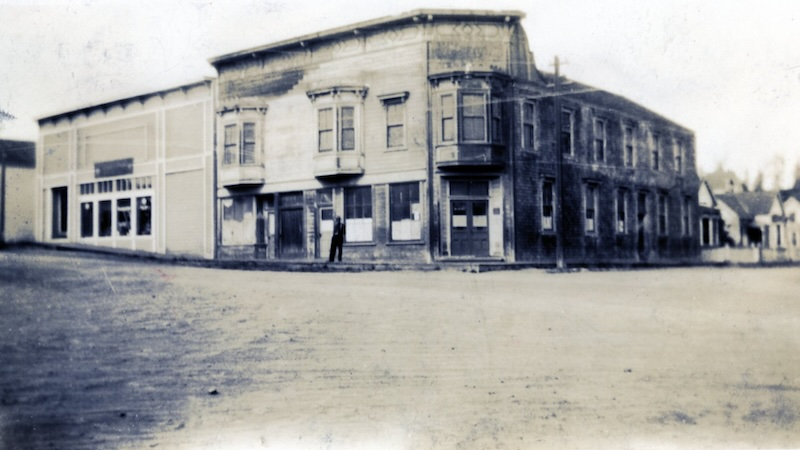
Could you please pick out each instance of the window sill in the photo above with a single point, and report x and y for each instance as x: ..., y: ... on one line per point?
x: 397, y: 243
x: 359, y: 244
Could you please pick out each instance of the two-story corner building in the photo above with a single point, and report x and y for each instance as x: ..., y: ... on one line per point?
x: 133, y: 174
x: 434, y: 136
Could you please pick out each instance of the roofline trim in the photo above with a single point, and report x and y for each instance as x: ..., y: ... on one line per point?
x: 141, y: 97
x: 356, y: 28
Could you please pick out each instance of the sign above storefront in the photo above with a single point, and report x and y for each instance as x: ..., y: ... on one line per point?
x: 113, y: 168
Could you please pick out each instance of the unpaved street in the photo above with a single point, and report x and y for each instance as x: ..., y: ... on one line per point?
x: 112, y: 353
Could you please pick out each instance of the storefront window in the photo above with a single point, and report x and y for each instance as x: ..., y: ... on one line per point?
x: 143, y: 216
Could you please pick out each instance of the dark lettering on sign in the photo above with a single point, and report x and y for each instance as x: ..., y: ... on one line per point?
x: 113, y: 168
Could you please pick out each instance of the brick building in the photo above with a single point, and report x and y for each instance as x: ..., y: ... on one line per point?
x: 432, y: 134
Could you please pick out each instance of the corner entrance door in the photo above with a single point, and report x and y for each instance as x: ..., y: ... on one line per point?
x: 469, y: 234
x: 325, y: 219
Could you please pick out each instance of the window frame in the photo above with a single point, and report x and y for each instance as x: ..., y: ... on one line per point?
x: 453, y: 116
x: 548, y: 202
x: 621, y: 207
x: 396, y: 101
x: 396, y: 189
x: 59, y: 196
x: 655, y: 153
x: 354, y: 203
x: 568, y: 130
x: 600, y: 139
x: 591, y: 194
x: 338, y: 127
x: 662, y: 207
x: 528, y: 128
x: 680, y: 160
x: 629, y: 145
x: 686, y: 216
x: 238, y: 147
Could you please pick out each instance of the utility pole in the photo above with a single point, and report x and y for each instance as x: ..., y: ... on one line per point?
x: 560, y: 262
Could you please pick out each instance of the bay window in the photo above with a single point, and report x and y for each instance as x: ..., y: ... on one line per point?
x: 470, y: 117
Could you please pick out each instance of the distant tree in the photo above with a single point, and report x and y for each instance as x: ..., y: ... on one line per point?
x: 796, y: 175
x: 758, y: 183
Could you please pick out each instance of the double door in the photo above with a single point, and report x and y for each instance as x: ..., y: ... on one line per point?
x: 469, y: 227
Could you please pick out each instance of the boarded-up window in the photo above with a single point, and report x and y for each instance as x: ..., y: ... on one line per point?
x: 238, y: 221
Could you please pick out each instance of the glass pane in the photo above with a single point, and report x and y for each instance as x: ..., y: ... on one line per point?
x: 394, y: 113
x: 231, y: 135
x: 143, y: 216
x: 347, y: 117
x: 473, y: 105
x: 448, y: 109
x: 123, y: 216
x: 326, y: 119
x: 459, y: 215
x: 348, y: 139
x: 479, y: 217
x: 459, y: 188
x: 105, y: 218
x: 474, y: 129
x: 248, y: 154
x: 394, y: 136
x: 249, y: 132
x: 87, y: 219
x: 448, y: 130
x: 325, y: 141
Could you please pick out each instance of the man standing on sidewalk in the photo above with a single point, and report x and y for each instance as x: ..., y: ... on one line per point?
x: 337, y: 239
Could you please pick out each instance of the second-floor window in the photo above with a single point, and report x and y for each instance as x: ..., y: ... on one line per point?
x: 629, y: 145
x: 679, y: 159
x: 599, y: 140
x: 470, y: 117
x: 473, y: 117
x: 656, y: 152
x: 567, y: 131
x: 394, y: 106
x: 528, y: 125
x: 240, y: 143
x: 336, y: 128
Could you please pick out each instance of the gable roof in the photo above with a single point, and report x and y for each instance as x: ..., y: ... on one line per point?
x: 790, y: 193
x: 748, y: 204
x: 724, y: 181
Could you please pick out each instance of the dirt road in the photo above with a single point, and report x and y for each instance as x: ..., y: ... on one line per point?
x: 122, y: 354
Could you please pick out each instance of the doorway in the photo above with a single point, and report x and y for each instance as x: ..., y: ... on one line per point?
x: 469, y: 227
x: 291, y: 230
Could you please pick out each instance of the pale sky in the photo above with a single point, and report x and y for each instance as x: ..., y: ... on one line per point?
x: 727, y: 69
